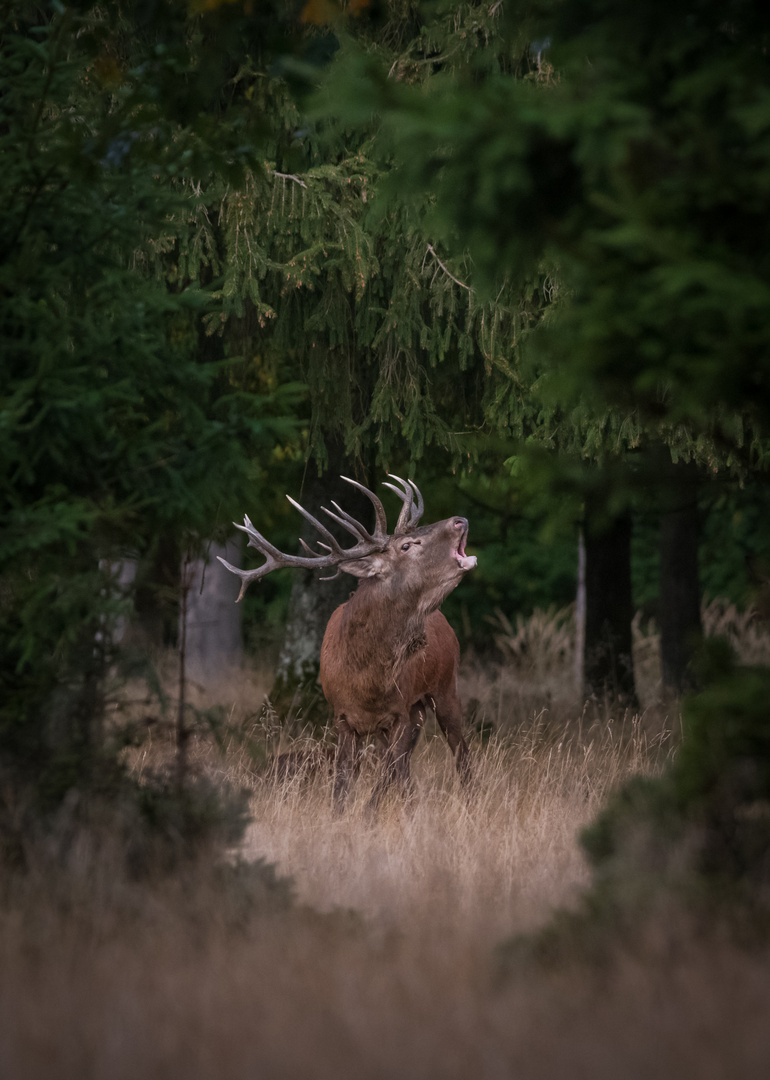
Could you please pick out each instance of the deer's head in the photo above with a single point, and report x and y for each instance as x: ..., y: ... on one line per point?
x: 422, y: 562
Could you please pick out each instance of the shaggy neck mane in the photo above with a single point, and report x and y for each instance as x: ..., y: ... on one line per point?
x: 384, y: 627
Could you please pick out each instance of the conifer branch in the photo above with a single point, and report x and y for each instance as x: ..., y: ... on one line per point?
x: 457, y: 281
x: 290, y: 176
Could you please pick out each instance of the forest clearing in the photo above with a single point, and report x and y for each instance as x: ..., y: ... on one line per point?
x: 387, y: 952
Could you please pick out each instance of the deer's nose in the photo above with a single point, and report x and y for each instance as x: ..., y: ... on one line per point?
x: 460, y: 523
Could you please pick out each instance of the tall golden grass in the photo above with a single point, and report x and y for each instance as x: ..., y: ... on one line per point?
x: 386, y: 964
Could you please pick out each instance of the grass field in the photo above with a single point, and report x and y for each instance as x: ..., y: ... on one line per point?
x: 387, y: 963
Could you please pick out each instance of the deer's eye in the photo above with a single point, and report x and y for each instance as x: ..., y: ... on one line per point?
x: 405, y: 547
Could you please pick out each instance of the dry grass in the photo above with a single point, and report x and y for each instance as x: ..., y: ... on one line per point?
x: 746, y: 631
x: 539, y: 662
x: 539, y: 670
x: 386, y: 966
x: 478, y: 867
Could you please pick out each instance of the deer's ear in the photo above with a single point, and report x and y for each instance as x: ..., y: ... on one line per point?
x: 368, y: 566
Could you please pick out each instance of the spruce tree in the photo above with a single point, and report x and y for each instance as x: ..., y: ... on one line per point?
x: 115, y: 428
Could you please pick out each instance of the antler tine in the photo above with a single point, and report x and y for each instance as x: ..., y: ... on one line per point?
x: 306, y: 547
x: 270, y: 551
x: 274, y: 558
x: 335, y: 554
x: 332, y: 544
x: 246, y: 576
x: 381, y: 520
x: 355, y: 528
x: 410, y: 514
x: 420, y: 508
x: 256, y: 539
x: 406, y: 496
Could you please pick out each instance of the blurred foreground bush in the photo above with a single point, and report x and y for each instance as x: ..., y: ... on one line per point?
x: 695, y: 839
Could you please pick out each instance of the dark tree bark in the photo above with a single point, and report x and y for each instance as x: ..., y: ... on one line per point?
x: 609, y: 667
x: 580, y: 615
x: 156, y: 603
x: 679, y: 605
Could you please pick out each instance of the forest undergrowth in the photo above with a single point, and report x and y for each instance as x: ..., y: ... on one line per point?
x: 375, y: 949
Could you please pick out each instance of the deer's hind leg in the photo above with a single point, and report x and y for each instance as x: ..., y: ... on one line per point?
x: 345, y: 762
x: 449, y: 717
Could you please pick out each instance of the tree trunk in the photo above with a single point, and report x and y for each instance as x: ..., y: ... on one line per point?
x: 121, y: 574
x: 156, y: 602
x: 313, y: 600
x: 213, y: 641
x: 609, y: 668
x: 580, y: 616
x: 679, y: 605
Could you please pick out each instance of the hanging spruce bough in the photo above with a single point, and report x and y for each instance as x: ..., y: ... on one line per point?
x: 392, y: 343
x: 315, y: 261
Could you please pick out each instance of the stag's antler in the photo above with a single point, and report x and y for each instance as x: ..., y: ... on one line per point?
x: 410, y: 513
x: 367, y: 543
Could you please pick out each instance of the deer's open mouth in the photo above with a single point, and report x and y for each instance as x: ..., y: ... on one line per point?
x: 467, y: 562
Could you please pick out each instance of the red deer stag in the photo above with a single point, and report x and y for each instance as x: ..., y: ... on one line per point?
x: 388, y: 652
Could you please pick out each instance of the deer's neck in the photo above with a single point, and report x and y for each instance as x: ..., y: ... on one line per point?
x: 383, y: 630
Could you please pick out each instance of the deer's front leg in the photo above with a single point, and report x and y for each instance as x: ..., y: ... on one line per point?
x: 400, y: 742
x: 449, y: 716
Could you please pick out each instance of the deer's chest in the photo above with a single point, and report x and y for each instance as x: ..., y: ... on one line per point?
x: 372, y: 674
